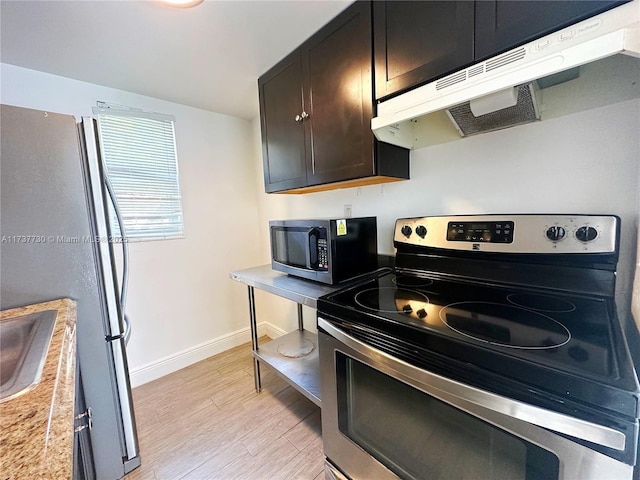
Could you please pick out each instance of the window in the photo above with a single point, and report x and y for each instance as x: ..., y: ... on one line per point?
x: 139, y: 153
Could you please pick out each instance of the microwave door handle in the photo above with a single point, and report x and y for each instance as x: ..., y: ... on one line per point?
x: 312, y: 248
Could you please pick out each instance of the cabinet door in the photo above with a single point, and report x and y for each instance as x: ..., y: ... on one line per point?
x: 339, y: 98
x: 283, y: 144
x: 505, y: 24
x: 419, y: 41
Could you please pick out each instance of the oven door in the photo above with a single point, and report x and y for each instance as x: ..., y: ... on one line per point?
x: 383, y: 418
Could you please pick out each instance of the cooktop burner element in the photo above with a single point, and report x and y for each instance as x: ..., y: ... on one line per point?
x: 410, y: 281
x: 541, y: 303
x: 392, y: 300
x: 505, y: 325
x: 479, y: 315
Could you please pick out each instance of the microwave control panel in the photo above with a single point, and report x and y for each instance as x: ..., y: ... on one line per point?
x: 323, y: 256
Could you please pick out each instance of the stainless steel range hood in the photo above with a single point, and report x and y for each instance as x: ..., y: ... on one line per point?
x: 485, y: 87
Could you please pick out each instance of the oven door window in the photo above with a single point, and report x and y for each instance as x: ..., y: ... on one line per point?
x: 417, y: 436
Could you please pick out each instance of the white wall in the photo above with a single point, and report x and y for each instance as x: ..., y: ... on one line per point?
x: 587, y: 162
x: 181, y: 301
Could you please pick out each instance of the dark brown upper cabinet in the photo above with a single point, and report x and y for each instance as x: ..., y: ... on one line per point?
x: 505, y: 24
x: 283, y: 142
x: 416, y: 42
x: 316, y: 107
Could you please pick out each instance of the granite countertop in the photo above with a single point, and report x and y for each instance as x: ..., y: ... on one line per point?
x: 36, y: 428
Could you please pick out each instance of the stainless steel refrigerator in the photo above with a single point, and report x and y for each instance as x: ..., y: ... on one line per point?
x: 55, y: 243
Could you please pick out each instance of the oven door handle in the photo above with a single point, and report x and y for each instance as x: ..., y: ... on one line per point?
x: 441, y: 387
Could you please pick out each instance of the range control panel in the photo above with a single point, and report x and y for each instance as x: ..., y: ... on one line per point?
x: 512, y: 233
x: 494, y: 232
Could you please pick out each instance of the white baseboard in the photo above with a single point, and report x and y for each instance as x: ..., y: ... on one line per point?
x: 172, y: 363
x: 271, y: 330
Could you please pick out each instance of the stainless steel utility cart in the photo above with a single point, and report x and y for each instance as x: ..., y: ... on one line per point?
x: 294, y: 356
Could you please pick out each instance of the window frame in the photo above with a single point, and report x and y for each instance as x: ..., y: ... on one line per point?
x: 146, y: 199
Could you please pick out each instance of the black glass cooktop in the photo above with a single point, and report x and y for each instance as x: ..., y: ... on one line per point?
x: 565, y: 333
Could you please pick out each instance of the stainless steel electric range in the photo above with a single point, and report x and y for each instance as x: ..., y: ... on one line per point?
x: 491, y: 351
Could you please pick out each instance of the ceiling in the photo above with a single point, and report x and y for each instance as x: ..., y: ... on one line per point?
x: 208, y: 57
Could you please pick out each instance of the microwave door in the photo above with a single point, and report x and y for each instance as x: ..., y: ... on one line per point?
x: 295, y: 247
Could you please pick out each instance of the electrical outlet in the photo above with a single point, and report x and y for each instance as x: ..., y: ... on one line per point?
x: 347, y: 211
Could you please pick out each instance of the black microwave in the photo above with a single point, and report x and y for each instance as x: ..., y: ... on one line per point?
x: 327, y: 251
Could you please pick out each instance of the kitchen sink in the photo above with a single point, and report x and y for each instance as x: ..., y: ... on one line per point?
x: 24, y: 343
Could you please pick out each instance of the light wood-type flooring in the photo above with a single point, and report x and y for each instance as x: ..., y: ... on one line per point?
x: 207, y: 422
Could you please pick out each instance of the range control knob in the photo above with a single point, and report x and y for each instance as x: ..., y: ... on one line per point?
x: 421, y: 230
x: 586, y: 233
x: 406, y: 231
x: 555, y: 233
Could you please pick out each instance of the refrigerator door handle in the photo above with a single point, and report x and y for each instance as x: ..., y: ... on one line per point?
x: 125, y: 260
x: 125, y: 335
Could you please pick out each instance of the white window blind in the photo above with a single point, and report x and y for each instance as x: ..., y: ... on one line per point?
x: 139, y: 152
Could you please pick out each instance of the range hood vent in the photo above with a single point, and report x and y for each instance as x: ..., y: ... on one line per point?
x: 524, y: 111
x: 610, y: 33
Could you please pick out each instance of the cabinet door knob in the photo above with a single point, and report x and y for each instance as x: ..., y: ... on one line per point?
x: 301, y: 117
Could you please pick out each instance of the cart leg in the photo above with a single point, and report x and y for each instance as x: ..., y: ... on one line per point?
x: 300, y: 320
x: 254, y: 339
